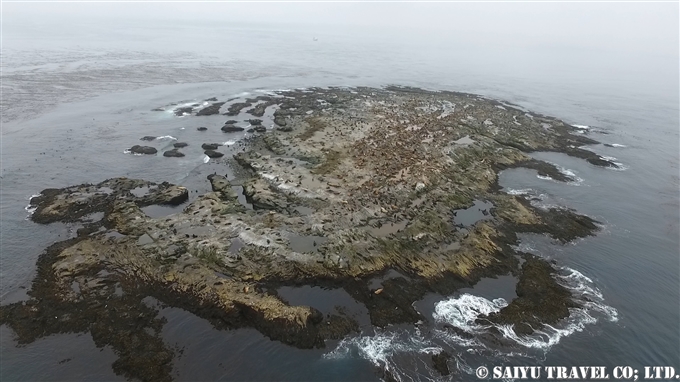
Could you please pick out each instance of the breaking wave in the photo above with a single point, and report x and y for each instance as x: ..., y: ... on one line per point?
x: 456, y: 330
x: 512, y: 191
x: 537, y: 199
x: 164, y: 137
x: 30, y: 209
x: 621, y: 166
x: 463, y: 311
x: 565, y: 171
x: 127, y: 151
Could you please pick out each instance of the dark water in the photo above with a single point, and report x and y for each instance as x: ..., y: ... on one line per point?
x: 75, y: 98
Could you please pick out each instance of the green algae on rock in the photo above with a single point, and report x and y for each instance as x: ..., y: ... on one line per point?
x: 378, y: 174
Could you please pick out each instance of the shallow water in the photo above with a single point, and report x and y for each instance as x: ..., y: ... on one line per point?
x: 466, y: 217
x: 91, y: 101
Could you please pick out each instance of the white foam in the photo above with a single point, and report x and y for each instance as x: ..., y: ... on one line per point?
x: 164, y: 137
x: 524, y: 191
x: 228, y: 143
x: 381, y: 348
x: 576, y: 181
x: 621, y: 167
x: 617, y: 145
x: 29, y: 208
x: 582, y: 127
x: 206, y: 159
x: 462, y: 311
x: 130, y: 152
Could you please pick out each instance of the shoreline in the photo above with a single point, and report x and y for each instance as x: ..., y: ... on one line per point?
x: 342, y: 207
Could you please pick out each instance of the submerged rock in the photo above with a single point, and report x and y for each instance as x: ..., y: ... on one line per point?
x: 179, y: 145
x: 439, y: 361
x: 183, y: 111
x: 202, y: 128
x: 210, y: 146
x: 147, y: 138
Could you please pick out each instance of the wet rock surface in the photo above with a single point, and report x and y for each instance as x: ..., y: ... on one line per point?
x: 213, y: 154
x: 72, y: 203
x: 232, y: 128
x: 175, y: 153
x: 540, y: 300
x: 344, y: 192
x: 148, y: 150
x: 211, y: 110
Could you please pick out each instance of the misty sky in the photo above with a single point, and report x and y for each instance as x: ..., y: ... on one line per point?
x: 650, y: 28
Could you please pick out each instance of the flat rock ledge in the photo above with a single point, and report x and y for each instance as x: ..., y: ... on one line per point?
x: 372, y: 176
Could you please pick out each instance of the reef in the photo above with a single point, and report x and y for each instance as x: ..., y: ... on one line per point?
x: 350, y: 184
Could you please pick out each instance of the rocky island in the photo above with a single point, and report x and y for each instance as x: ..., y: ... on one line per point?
x: 347, y: 185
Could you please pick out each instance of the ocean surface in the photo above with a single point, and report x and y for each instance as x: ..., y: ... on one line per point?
x: 74, y: 99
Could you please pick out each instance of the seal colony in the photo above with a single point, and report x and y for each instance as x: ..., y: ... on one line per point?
x: 349, y: 184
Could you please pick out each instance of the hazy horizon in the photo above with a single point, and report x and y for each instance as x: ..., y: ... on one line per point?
x: 649, y: 28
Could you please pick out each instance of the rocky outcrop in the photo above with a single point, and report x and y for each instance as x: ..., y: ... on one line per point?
x: 72, y: 203
x: 353, y: 183
x: 182, y: 111
x: 231, y: 128
x: 174, y: 153
x: 235, y: 109
x: 540, y: 300
x: 179, y: 145
x: 213, y: 154
x: 211, y: 110
x: 148, y: 150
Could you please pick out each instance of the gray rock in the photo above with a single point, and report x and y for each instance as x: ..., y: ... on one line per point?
x: 173, y: 153
x: 213, y: 154
x: 231, y: 128
x: 137, y: 149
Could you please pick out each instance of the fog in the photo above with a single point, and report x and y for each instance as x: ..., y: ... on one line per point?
x: 626, y: 27
x: 606, y: 48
